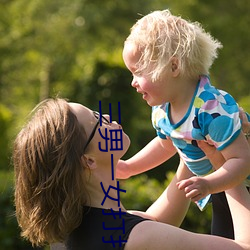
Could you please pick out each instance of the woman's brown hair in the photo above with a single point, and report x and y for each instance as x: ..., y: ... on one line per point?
x: 49, y: 180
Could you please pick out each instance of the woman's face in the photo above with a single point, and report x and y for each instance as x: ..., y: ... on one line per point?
x: 89, y: 120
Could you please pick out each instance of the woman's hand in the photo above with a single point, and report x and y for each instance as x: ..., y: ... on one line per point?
x: 245, y: 124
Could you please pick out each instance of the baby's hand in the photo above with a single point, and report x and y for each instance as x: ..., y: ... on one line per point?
x: 195, y: 187
x: 122, y: 170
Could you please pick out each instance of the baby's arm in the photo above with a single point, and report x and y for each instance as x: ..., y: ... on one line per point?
x: 153, y: 154
x: 234, y: 171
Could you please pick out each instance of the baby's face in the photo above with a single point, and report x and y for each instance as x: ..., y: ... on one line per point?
x: 154, y: 93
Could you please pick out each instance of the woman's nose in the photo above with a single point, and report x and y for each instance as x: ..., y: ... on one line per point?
x: 107, y: 117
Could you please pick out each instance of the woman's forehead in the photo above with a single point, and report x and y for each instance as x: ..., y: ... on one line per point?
x: 84, y: 115
x: 78, y: 108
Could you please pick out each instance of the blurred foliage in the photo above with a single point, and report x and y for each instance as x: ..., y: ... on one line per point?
x: 72, y: 48
x: 5, y: 124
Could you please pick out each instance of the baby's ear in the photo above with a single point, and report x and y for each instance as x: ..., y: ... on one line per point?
x: 89, y: 161
x: 175, y: 66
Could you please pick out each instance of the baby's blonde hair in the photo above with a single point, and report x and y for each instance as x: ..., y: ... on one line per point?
x: 161, y: 36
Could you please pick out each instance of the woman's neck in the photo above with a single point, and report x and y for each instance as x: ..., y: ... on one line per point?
x: 101, y: 187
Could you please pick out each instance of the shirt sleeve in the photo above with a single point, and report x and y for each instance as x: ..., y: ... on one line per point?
x: 219, y: 120
x: 159, y: 121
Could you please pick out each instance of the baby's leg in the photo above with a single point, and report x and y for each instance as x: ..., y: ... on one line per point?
x: 171, y: 207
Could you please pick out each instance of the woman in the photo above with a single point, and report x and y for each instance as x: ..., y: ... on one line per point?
x: 62, y: 181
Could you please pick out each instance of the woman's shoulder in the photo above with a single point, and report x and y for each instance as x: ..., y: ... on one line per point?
x: 103, y: 229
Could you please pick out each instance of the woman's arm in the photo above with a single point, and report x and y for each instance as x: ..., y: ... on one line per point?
x: 236, y: 167
x: 239, y: 203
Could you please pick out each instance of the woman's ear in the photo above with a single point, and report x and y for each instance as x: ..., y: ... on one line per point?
x: 89, y: 161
